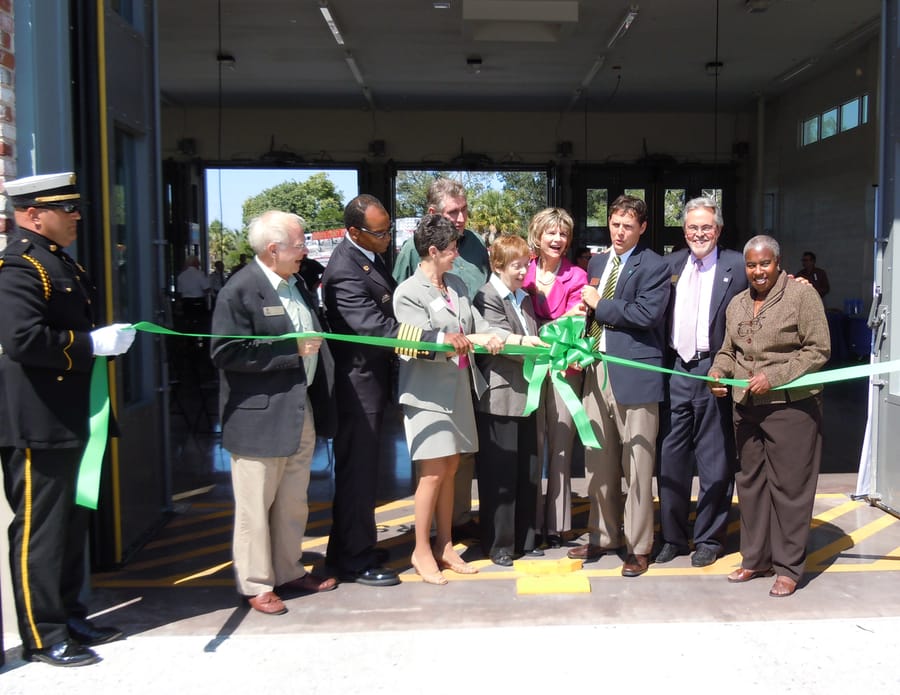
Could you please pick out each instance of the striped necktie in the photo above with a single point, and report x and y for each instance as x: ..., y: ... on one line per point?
x: 609, y: 291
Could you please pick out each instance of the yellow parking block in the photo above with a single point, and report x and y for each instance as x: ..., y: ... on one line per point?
x: 553, y: 584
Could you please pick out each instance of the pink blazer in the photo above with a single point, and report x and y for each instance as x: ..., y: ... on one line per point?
x: 564, y: 295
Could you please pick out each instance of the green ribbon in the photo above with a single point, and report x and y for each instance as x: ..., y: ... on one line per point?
x: 87, y: 489
x: 567, y: 346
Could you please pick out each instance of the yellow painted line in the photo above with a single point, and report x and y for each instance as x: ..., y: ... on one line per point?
x: 191, y: 520
x: 178, y: 557
x: 847, y: 541
x: 187, y: 537
x: 833, y: 513
x: 204, y: 573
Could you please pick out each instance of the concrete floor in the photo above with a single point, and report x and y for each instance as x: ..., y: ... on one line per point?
x: 675, y: 627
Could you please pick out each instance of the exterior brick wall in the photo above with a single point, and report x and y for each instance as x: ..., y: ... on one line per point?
x: 7, y: 108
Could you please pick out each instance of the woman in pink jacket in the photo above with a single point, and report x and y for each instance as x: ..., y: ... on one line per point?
x: 555, y: 285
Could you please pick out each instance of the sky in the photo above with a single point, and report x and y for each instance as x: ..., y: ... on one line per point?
x: 239, y: 184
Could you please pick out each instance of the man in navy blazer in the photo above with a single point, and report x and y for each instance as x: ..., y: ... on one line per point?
x: 697, y: 425
x: 627, y: 294
x: 358, y: 290
x: 275, y: 396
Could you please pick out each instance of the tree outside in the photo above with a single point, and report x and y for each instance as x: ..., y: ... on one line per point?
x: 499, y: 201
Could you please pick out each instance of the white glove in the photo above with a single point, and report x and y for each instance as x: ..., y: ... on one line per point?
x: 112, y: 340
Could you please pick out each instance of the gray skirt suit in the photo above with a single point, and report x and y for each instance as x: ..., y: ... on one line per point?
x: 436, y: 395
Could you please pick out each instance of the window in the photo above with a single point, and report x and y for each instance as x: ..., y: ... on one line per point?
x: 597, y: 207
x: 810, y: 131
x: 674, y: 207
x: 714, y: 193
x: 637, y: 193
x: 838, y: 119
x: 850, y: 115
x: 829, y: 123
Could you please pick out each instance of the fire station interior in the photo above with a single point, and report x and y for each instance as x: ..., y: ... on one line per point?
x: 775, y: 104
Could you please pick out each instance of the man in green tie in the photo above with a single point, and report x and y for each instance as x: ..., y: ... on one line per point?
x: 626, y: 297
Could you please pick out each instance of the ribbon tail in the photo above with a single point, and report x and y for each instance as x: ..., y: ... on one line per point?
x: 576, y: 408
x: 534, y: 374
x: 87, y: 490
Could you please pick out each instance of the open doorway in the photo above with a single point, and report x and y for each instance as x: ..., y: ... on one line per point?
x: 235, y: 195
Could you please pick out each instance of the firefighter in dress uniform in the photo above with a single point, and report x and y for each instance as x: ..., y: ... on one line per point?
x: 48, y: 340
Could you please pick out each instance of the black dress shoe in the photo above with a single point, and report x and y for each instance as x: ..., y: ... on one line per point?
x: 65, y: 653
x: 534, y: 552
x: 704, y: 556
x: 86, y: 633
x: 372, y: 576
x: 503, y: 559
x: 669, y: 552
x: 554, y: 541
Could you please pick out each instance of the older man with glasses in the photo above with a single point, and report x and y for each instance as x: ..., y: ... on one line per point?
x: 697, y: 426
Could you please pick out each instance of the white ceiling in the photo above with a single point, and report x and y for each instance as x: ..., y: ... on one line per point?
x: 412, y: 56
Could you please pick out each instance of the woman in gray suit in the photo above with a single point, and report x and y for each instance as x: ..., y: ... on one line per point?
x: 436, y: 394
x: 507, y: 463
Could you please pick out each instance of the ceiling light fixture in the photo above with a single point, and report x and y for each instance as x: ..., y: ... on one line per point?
x: 354, y: 68
x: 796, y: 70
x: 586, y: 82
x: 857, y: 34
x: 441, y: 5
x: 358, y: 76
x: 592, y: 73
x: 226, y: 60
x: 329, y: 20
x: 756, y: 6
x: 624, y: 25
x: 714, y: 68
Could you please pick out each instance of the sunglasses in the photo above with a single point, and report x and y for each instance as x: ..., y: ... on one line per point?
x: 65, y: 207
x: 378, y: 235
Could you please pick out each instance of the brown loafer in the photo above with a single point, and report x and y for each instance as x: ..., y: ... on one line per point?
x: 309, y: 583
x: 783, y: 586
x: 268, y: 603
x: 586, y: 552
x: 635, y: 565
x: 744, y: 575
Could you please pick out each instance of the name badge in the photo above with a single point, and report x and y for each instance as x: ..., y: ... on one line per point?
x: 273, y: 311
x: 437, y: 304
x: 386, y: 299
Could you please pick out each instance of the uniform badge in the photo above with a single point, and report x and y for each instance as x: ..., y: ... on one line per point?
x: 273, y: 311
x: 385, y: 299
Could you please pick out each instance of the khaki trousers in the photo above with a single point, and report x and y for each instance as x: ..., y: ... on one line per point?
x: 270, y: 513
x: 627, y: 434
x: 555, y: 437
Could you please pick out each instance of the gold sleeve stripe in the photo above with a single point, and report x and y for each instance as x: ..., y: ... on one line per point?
x: 45, y: 278
x: 66, y: 350
x: 23, y: 560
x: 412, y: 334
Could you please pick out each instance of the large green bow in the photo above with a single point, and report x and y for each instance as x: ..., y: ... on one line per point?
x: 568, y: 346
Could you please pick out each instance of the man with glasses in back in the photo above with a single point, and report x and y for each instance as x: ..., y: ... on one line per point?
x: 697, y: 426
x: 447, y: 197
x: 48, y: 341
x: 357, y: 291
